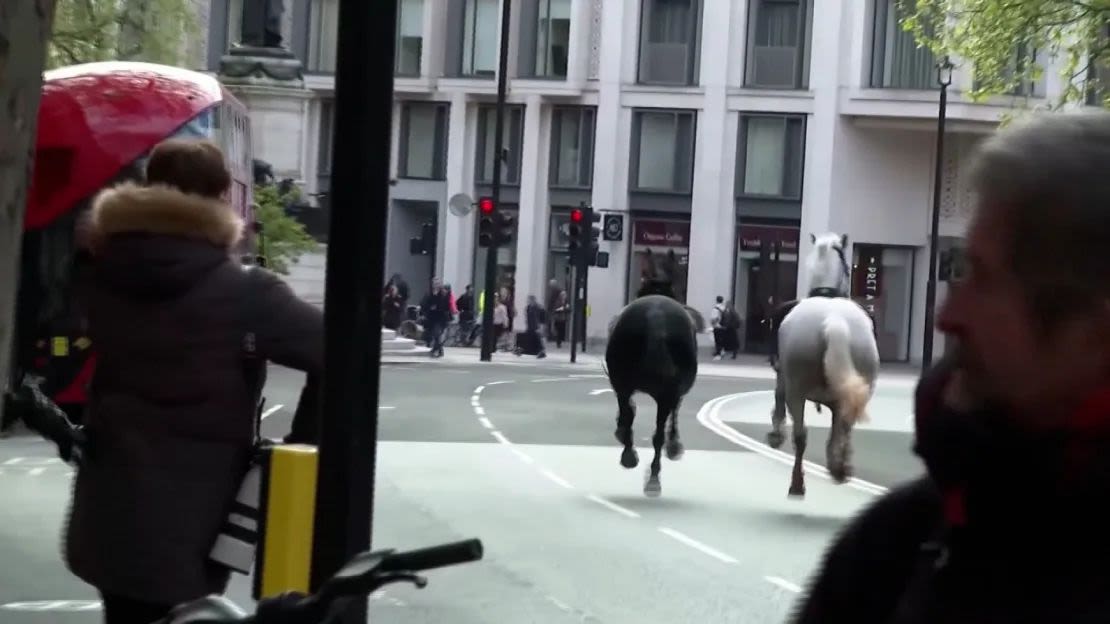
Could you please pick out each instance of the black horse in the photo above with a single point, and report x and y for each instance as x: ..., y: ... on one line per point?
x: 653, y: 349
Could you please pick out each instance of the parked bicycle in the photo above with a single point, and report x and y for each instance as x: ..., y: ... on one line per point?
x: 362, y: 575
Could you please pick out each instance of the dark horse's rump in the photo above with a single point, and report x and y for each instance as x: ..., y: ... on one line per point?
x: 652, y: 349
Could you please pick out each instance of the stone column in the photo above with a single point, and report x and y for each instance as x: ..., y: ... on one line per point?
x: 457, y: 254
x: 531, y: 242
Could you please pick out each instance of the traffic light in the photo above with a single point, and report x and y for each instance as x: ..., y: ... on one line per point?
x: 593, y: 235
x: 487, y: 234
x: 574, y: 232
x: 503, y: 234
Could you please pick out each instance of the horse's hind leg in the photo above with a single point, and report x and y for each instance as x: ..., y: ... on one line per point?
x: 674, y: 444
x: 626, y: 413
x: 838, y: 450
x: 796, y: 404
x: 652, y: 486
x: 776, y: 435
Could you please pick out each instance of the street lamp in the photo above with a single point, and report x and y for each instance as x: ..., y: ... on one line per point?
x: 944, y: 79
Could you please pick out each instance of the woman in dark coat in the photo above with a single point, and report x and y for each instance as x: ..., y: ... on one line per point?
x: 171, y: 417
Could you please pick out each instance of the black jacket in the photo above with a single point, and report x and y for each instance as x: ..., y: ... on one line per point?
x: 1009, y: 526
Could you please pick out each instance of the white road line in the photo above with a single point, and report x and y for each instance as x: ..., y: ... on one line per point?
x: 550, y: 379
x: 628, y: 513
x: 479, y: 410
x: 386, y: 407
x: 500, y: 437
x: 474, y: 401
x: 696, y: 545
x: 34, y: 472
x: 581, y: 376
x: 270, y: 412
x: 498, y: 383
x: 559, y: 603
x: 485, y: 422
x: 13, y: 461
x: 783, y: 583
x: 479, y: 390
x: 557, y: 479
x: 709, y: 416
x: 522, y: 456
x: 600, y: 391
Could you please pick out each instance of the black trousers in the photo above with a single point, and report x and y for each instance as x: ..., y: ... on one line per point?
x: 120, y: 610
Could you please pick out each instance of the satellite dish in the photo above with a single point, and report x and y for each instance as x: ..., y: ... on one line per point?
x: 460, y: 204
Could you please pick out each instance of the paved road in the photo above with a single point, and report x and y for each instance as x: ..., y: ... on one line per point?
x: 523, y: 457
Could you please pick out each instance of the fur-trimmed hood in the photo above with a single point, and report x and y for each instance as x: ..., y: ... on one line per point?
x: 132, y: 209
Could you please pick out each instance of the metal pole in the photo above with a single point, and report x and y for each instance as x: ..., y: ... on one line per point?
x: 352, y: 296
x: 931, y: 284
x: 585, y: 299
x: 573, y: 329
x: 489, y: 342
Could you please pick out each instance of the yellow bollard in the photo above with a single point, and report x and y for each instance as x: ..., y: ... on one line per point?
x: 288, y: 503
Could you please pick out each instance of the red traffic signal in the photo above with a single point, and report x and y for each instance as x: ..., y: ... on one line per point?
x: 485, y: 205
x: 576, y: 216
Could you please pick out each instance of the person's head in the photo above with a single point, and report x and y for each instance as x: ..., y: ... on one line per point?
x: 532, y: 300
x: 720, y: 299
x: 192, y: 166
x: 1032, y: 317
x: 392, y: 290
x: 469, y: 289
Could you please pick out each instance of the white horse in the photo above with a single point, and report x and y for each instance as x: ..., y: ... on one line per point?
x: 828, y: 355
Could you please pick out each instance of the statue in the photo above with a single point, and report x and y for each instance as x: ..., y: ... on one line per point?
x: 262, y: 23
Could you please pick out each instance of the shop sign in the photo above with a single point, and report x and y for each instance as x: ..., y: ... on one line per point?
x: 868, y: 278
x: 662, y: 233
x: 753, y: 237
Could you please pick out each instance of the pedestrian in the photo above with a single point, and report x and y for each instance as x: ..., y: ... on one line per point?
x: 501, y: 323
x: 1013, y: 425
x: 392, y: 308
x: 436, y: 310
x: 535, y: 318
x: 172, y: 409
x: 465, y: 305
x: 715, y: 317
x: 730, y: 330
x: 561, y: 313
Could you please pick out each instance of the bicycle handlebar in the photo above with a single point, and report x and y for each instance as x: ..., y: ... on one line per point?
x: 362, y: 575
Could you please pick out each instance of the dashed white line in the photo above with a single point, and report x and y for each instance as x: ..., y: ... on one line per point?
x: 696, y: 545
x: 783, y: 583
x: 474, y: 401
x: 485, y: 422
x: 628, y: 513
x: 34, y: 472
x: 500, y: 437
x: 479, y: 410
x: 521, y: 455
x: 270, y: 412
x: 479, y: 390
x: 557, y: 479
x: 13, y: 461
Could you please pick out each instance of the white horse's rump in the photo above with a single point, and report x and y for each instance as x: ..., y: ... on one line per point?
x: 850, y: 388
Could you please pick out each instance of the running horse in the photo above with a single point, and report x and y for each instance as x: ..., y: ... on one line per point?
x: 653, y: 349
x: 826, y: 354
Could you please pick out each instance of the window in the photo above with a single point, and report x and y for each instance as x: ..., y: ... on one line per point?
x: 778, y: 36
x: 572, y: 147
x: 481, y: 19
x: 423, y: 140
x: 771, y: 156
x: 512, y: 139
x: 552, y: 38
x: 1019, y: 62
x: 897, y: 61
x: 327, y: 135
x: 663, y: 151
x: 669, y: 42
x: 1098, y: 70
x: 324, y: 20
x: 410, y: 37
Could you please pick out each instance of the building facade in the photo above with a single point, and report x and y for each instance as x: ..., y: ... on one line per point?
x: 718, y: 133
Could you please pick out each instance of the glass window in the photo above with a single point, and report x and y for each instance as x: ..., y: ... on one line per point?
x: 423, y: 140
x: 327, y: 124
x: 572, y: 146
x: 669, y: 41
x: 898, y: 62
x: 778, y: 42
x: 552, y: 38
x: 771, y: 157
x: 323, y: 36
x: 664, y: 151
x: 410, y: 37
x: 512, y: 138
x: 481, y: 31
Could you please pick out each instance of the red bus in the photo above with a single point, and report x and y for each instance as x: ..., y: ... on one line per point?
x: 97, y: 124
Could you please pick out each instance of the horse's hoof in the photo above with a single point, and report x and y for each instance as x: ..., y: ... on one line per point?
x: 675, y: 450
x: 797, y: 491
x: 842, y: 474
x: 652, y: 487
x: 630, y: 458
x: 775, y: 439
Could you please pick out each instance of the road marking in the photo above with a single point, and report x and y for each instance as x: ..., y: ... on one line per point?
x: 13, y: 461
x: 34, y: 472
x: 696, y: 545
x: 498, y: 383
x: 53, y: 605
x: 612, y: 506
x: 557, y: 479
x: 550, y: 379
x: 500, y: 437
x: 485, y: 422
x: 266, y: 414
x: 559, y: 603
x: 474, y: 401
x: 783, y: 583
x: 479, y: 410
x: 581, y: 376
x: 521, y: 455
x: 709, y: 417
x: 479, y: 390
x: 600, y: 391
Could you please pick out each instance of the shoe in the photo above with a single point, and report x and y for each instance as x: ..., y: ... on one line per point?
x: 541, y: 356
x: 716, y: 358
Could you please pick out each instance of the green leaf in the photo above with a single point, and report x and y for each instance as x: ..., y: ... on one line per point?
x: 155, y: 31
x: 284, y: 239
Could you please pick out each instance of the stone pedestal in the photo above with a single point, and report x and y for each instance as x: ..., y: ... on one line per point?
x: 270, y: 83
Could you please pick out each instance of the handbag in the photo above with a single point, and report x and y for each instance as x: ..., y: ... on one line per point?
x: 237, y: 542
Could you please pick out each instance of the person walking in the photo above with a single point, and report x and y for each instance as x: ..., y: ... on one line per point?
x: 436, y: 310
x: 535, y: 319
x: 560, y: 312
x: 715, y: 317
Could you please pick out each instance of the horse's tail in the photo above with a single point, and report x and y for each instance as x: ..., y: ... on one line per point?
x: 851, y: 389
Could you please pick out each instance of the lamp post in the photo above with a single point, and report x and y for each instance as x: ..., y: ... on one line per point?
x: 944, y: 79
